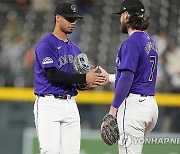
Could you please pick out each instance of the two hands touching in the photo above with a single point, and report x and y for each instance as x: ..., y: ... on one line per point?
x: 94, y: 79
x: 94, y: 76
x: 98, y: 77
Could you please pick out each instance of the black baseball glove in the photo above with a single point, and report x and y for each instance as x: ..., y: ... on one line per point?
x: 109, y: 130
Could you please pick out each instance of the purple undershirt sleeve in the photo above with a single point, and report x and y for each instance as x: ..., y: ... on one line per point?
x: 122, y: 88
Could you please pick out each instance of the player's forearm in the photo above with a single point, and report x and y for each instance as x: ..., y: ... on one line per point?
x: 59, y: 77
x: 122, y: 88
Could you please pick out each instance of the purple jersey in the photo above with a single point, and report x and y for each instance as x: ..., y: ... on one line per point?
x: 52, y: 52
x: 139, y: 54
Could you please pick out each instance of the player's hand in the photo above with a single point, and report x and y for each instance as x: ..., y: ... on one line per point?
x: 95, y: 79
x: 104, y: 73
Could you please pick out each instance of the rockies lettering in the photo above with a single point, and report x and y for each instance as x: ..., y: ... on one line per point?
x: 65, y: 59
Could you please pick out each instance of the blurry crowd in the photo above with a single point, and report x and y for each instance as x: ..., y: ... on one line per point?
x: 23, y: 22
x: 19, y: 34
x: 168, y: 79
x: 16, y: 53
x: 17, y: 43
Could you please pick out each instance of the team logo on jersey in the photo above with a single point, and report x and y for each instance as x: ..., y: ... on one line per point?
x: 65, y: 59
x: 47, y: 60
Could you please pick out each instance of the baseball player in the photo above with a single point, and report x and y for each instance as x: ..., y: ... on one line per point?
x: 55, y: 110
x: 136, y: 71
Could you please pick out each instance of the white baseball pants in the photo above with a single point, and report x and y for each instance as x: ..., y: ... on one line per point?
x: 58, y: 125
x: 136, y: 117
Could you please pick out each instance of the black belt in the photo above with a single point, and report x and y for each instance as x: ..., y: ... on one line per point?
x: 142, y: 95
x: 59, y: 96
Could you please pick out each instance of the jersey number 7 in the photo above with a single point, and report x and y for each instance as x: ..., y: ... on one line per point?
x: 153, y: 61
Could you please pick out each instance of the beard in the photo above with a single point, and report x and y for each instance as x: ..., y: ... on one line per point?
x: 124, y: 28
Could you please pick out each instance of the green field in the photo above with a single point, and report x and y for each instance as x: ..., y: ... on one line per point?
x: 89, y: 146
x: 91, y: 143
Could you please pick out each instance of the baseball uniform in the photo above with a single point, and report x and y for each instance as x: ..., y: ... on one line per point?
x: 57, y: 119
x: 138, y: 113
x: 136, y: 72
x: 56, y: 114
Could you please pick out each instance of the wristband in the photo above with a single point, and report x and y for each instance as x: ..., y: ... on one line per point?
x: 112, y: 78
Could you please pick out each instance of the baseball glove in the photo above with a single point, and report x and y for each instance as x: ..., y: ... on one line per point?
x: 109, y: 130
x: 81, y: 66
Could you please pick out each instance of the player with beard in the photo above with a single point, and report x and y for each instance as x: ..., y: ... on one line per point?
x: 136, y: 72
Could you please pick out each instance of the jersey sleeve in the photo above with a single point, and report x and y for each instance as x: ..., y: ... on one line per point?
x: 128, y: 57
x: 45, y: 53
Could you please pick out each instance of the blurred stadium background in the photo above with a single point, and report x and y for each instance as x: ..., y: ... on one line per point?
x: 24, y: 22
